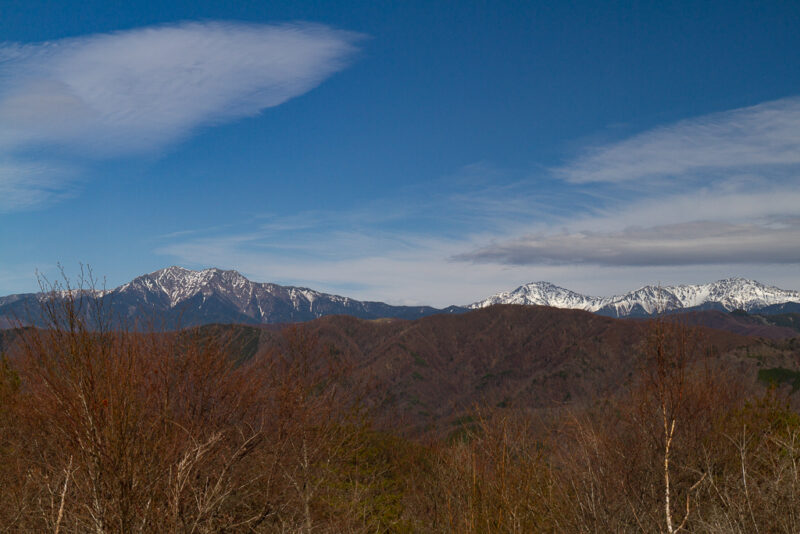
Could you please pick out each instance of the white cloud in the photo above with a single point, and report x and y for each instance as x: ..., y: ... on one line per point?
x: 723, y: 224
x: 336, y: 252
x: 732, y: 141
x: 363, y: 267
x: 25, y: 184
x: 139, y: 90
x: 727, y: 211
x: 755, y: 202
x: 422, y: 273
x: 722, y: 189
x: 688, y: 243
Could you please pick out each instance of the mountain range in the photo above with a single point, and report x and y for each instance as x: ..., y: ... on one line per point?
x: 725, y: 295
x: 181, y: 297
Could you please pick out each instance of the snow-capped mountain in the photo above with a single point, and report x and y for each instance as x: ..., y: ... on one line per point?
x: 178, y: 296
x: 729, y: 294
x: 539, y: 294
x: 181, y: 297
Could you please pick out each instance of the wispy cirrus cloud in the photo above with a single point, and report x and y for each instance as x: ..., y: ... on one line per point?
x: 606, y: 225
x: 722, y: 189
x: 688, y: 243
x: 28, y: 184
x: 383, y: 250
x: 380, y: 265
x: 140, y: 90
x: 404, y: 268
x: 740, y: 140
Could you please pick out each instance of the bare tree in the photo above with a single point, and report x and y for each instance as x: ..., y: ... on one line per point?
x: 672, y: 348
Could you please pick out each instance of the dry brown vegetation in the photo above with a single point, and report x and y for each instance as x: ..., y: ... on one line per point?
x: 103, y: 430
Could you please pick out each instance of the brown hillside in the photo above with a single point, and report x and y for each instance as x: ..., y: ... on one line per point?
x: 745, y: 325
x: 528, y: 356
x: 525, y: 356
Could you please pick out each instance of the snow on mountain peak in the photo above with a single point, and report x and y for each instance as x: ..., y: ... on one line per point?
x: 538, y: 293
x: 179, y: 284
x: 730, y: 294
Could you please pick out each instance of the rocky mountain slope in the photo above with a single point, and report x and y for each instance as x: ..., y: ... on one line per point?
x: 728, y: 295
x: 176, y: 296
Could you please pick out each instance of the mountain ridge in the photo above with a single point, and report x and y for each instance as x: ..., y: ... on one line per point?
x: 176, y: 296
x: 179, y: 297
x: 727, y: 294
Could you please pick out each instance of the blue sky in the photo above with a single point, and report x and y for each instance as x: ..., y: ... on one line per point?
x: 411, y: 152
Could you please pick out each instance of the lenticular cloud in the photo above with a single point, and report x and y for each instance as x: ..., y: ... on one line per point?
x: 140, y: 89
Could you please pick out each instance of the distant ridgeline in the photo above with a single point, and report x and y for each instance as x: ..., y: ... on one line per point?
x: 175, y: 296
x: 724, y: 295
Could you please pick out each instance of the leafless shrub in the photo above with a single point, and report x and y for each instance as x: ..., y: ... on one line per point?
x: 112, y: 430
x: 105, y: 429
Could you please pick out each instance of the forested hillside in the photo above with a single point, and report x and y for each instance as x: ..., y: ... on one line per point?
x: 507, y: 419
